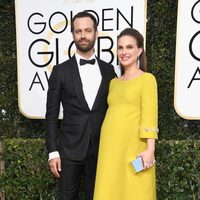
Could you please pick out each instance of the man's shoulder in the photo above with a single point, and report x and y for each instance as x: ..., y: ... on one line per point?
x: 107, y: 66
x: 66, y: 64
x: 102, y: 62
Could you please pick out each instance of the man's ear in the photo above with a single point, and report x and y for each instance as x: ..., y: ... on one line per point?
x: 97, y: 34
x: 73, y: 35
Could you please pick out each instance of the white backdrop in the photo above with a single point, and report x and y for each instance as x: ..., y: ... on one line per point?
x: 187, y: 73
x: 44, y: 39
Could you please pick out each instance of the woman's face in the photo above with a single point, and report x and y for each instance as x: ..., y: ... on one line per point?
x: 128, y: 51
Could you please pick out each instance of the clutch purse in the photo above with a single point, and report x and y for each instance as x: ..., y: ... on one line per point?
x: 138, y: 164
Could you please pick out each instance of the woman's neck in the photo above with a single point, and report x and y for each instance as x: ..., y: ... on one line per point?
x: 131, y: 73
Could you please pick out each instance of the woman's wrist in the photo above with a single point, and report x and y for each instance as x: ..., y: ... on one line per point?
x: 151, y: 149
x: 151, y: 145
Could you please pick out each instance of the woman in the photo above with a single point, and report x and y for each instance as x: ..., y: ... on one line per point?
x: 130, y: 127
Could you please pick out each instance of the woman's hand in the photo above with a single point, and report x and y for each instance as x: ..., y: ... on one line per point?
x: 148, y: 158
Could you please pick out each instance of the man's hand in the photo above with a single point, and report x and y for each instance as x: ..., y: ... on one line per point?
x: 55, y: 166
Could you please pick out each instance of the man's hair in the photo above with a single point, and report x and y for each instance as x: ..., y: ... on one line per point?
x: 81, y: 15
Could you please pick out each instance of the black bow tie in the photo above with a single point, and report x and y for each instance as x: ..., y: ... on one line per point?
x: 83, y: 62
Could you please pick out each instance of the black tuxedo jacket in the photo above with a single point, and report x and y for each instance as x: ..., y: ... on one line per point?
x: 80, y: 125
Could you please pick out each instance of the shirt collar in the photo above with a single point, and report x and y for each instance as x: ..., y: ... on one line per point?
x: 78, y: 57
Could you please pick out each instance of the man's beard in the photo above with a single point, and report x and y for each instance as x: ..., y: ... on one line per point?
x: 85, y: 48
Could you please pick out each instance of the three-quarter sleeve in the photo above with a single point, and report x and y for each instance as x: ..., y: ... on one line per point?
x: 149, y: 106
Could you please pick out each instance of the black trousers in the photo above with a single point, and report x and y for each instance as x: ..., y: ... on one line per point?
x: 70, y: 177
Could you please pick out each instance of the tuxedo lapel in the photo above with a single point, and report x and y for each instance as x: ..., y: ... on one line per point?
x: 77, y: 83
x: 102, y: 88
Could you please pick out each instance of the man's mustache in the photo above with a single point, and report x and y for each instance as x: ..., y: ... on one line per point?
x: 83, y: 40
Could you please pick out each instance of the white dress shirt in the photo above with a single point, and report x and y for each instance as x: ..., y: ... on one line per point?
x: 91, y: 79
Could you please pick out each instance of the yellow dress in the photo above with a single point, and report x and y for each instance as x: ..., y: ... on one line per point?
x: 130, y: 119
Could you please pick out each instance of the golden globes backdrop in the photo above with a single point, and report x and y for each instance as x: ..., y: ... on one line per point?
x: 187, y: 73
x: 44, y: 40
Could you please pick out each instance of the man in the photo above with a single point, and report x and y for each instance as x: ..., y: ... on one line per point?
x: 81, y: 85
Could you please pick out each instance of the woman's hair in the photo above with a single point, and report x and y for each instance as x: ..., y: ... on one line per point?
x: 140, y: 43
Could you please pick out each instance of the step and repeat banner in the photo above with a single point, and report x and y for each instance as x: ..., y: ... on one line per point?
x: 44, y: 39
x: 187, y: 73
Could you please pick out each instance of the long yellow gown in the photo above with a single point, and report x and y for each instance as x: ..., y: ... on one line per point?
x: 130, y: 119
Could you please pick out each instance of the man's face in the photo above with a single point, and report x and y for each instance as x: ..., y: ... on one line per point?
x: 84, y: 34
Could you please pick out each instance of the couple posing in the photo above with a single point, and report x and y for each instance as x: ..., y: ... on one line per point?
x: 95, y: 102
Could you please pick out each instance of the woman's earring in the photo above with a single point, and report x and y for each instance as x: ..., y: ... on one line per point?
x: 138, y: 62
